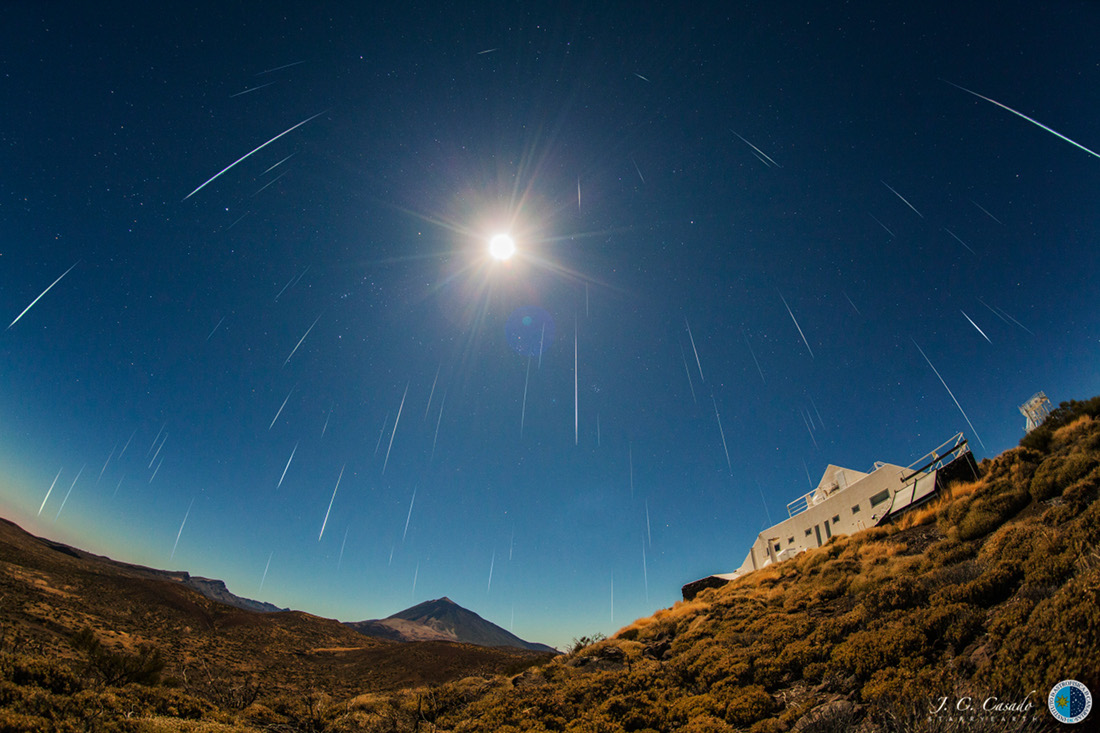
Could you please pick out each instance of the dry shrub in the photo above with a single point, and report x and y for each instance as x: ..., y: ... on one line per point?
x: 1056, y: 474
x: 898, y: 593
x: 1071, y: 432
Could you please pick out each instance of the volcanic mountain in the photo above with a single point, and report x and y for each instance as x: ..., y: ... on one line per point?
x: 443, y: 620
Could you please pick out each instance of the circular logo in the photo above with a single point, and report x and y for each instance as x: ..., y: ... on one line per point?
x: 1069, y: 701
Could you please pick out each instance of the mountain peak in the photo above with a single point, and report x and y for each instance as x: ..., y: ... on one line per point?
x: 443, y: 619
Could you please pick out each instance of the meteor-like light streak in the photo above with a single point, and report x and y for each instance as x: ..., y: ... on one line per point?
x: 280, y: 68
x: 881, y: 224
x: 288, y: 283
x: 279, y: 163
x: 154, y: 458
x: 185, y: 516
x: 287, y: 467
x: 488, y: 50
x: 688, y: 373
x: 960, y: 241
x: 578, y: 193
x: 645, y: 573
x: 123, y: 451
x: 69, y: 492
x: 118, y: 485
x: 816, y: 411
x: 851, y: 304
x: 416, y: 574
x: 340, y: 558
x: 722, y: 433
x: 49, y: 491
x: 381, y: 433
x: 437, y: 422
x: 640, y: 76
x: 1009, y: 317
x: 246, y: 91
x: 638, y: 169
x: 215, y: 328
x: 1034, y: 122
x: 432, y: 393
x: 1004, y: 316
x: 975, y: 325
x: 329, y: 510
x: 797, y: 326
x: 986, y: 212
x: 648, y: 531
x: 301, y: 276
x: 328, y: 417
x: 630, y: 460
x: 155, y: 470
x: 154, y: 445
x: 809, y: 429
x: 758, y: 150
x: 112, y: 455
x: 409, y: 516
x: 542, y: 343
x: 55, y: 282
x: 767, y: 513
x: 949, y: 392
x: 914, y: 208
x: 302, y: 339
x: 395, y: 421
x: 237, y: 220
x: 492, y: 563
x: 280, y: 412
x: 694, y: 350
x: 260, y: 190
x: 252, y: 152
x: 754, y: 359
x: 265, y: 569
x: 523, y: 410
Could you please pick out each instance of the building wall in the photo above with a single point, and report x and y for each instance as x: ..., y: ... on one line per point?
x: 834, y: 516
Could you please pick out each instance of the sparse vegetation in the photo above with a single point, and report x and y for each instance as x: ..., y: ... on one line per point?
x: 993, y: 589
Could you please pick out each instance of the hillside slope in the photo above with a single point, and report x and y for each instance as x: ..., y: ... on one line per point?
x: 989, y: 597
x: 76, y: 628
x: 981, y: 602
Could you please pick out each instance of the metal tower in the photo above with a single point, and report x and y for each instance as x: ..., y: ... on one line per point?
x: 1036, y: 410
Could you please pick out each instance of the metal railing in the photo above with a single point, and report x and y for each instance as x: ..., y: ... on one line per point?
x: 946, y: 452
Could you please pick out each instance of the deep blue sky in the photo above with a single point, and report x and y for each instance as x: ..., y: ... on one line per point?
x: 439, y: 126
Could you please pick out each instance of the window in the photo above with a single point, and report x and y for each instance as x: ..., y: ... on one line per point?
x: 809, y: 532
x: 880, y: 497
x: 836, y: 519
x: 855, y: 509
x: 790, y: 541
x: 777, y: 546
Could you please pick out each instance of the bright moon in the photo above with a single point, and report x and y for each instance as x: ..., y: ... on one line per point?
x: 502, y: 247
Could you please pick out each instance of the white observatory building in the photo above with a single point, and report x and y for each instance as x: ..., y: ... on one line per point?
x: 847, y: 501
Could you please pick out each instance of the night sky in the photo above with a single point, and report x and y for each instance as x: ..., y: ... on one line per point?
x: 737, y: 229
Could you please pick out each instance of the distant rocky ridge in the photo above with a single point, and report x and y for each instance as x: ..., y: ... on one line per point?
x: 215, y: 590
x: 443, y: 620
